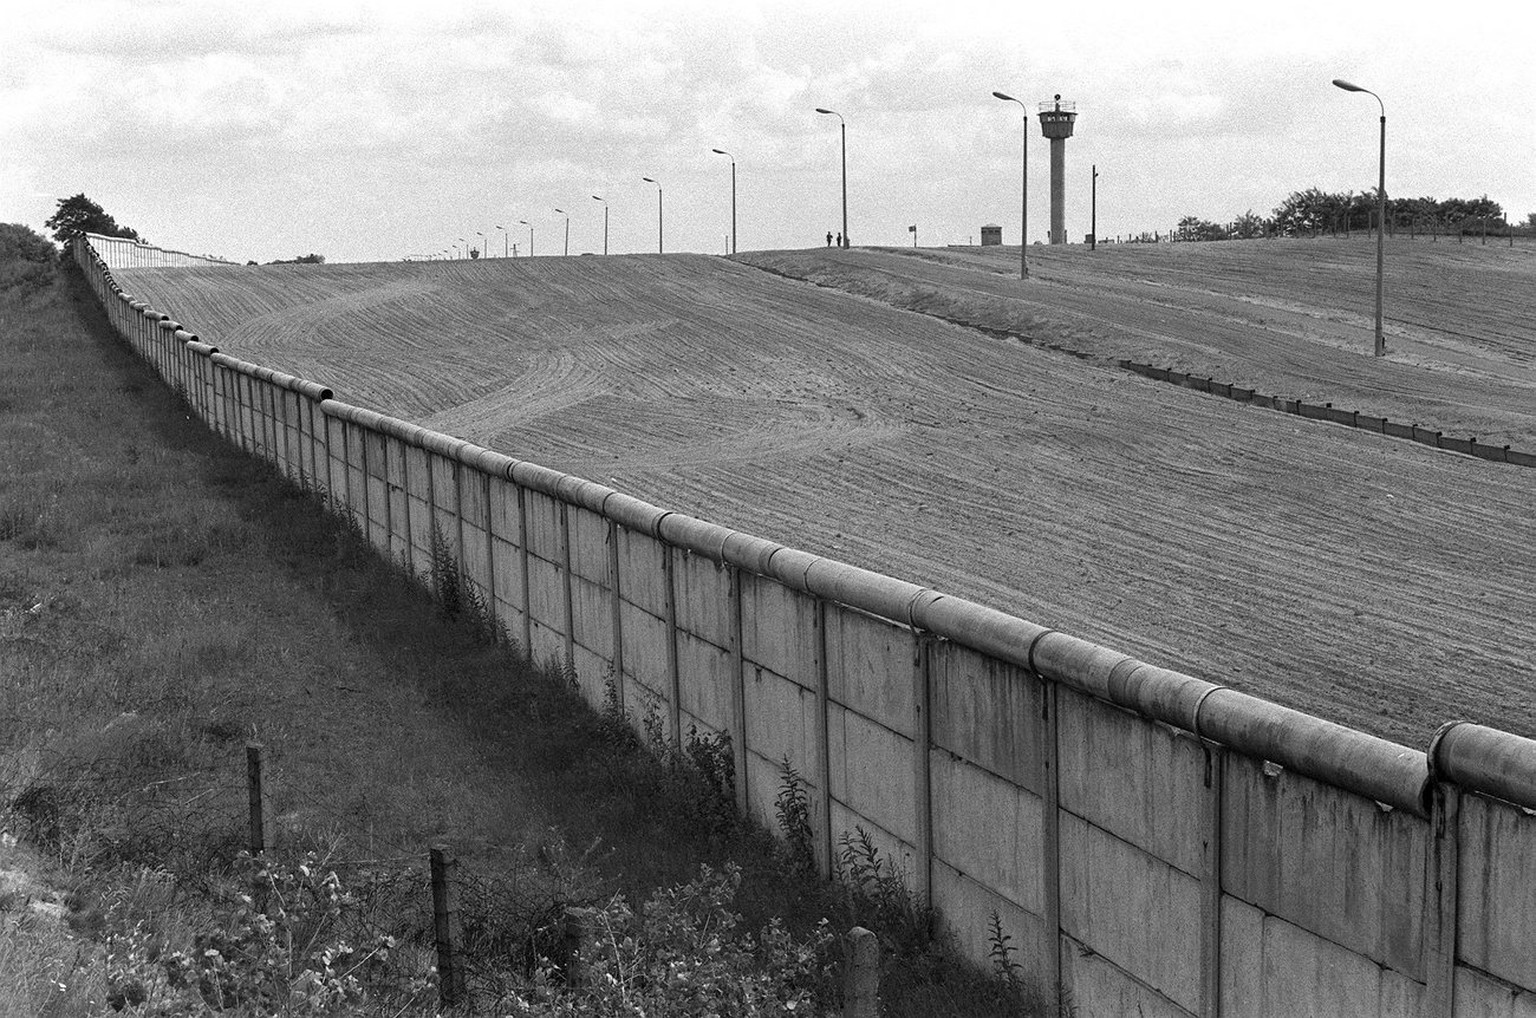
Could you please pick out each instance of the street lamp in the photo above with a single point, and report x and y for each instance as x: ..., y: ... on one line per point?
x: 844, y: 124
x: 567, y: 216
x: 484, y: 245
x: 1381, y: 206
x: 506, y: 244
x: 1023, y: 191
x: 530, y: 235
x: 650, y: 180
x: 466, y: 247
x: 723, y: 152
x: 605, y: 222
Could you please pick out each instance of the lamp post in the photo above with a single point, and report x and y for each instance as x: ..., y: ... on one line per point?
x: 844, y: 124
x: 652, y: 180
x: 484, y: 245
x: 466, y: 247
x: 1381, y: 206
x: 506, y: 244
x: 605, y: 222
x: 530, y: 235
x: 1023, y: 190
x: 1093, y: 222
x: 567, y: 216
x: 723, y: 152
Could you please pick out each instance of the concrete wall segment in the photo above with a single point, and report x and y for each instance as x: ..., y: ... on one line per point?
x: 1487, y: 760
x: 1496, y: 929
x: 1331, y: 862
x: 1349, y: 759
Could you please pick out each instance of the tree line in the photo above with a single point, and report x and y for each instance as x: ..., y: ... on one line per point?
x: 1314, y: 211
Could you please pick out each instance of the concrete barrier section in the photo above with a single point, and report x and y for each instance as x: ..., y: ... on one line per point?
x: 1124, y: 822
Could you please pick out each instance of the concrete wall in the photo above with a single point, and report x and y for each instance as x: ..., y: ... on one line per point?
x: 1153, y: 844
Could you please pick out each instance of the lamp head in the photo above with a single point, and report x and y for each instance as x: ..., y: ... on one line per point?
x: 649, y: 180
x: 1347, y: 86
x: 719, y: 151
x: 1005, y: 97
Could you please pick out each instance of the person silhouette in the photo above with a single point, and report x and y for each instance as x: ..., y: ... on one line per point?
x: 839, y: 240
x: 829, y: 238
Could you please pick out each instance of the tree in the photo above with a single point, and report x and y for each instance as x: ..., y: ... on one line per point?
x: 1247, y: 226
x: 309, y: 259
x: 26, y: 259
x: 79, y: 214
x: 1195, y: 228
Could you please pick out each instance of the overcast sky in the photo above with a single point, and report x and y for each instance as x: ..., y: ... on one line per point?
x: 373, y: 131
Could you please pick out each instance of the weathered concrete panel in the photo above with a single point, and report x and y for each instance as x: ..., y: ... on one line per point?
x: 1327, y: 860
x: 416, y: 464
x: 509, y: 575
x: 765, y: 780
x: 543, y: 525
x: 421, y: 519
x: 646, y: 653
x: 472, y: 504
x: 546, y: 595
x: 778, y: 629
x: 1305, y: 974
x: 642, y: 572
x: 988, y: 712
x: 592, y: 606
x: 503, y: 510
x: 892, y: 851
x: 1497, y: 878
x: 589, y: 543
x: 1099, y: 987
x: 871, y: 771
x: 1242, y: 958
x: 1259, y: 952
x: 1481, y: 996
x: 967, y: 908
x: 444, y: 492
x: 1110, y: 888
x: 869, y: 666
x: 1133, y: 777
x: 703, y: 597
x: 989, y: 829
x: 706, y: 681
x: 591, y: 675
x: 781, y: 720
x: 548, y: 645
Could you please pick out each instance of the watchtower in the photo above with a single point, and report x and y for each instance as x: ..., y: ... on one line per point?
x: 1056, y: 121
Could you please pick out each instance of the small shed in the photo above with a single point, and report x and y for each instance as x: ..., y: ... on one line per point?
x: 991, y: 235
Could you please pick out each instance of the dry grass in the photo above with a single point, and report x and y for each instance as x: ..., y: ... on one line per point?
x: 163, y: 600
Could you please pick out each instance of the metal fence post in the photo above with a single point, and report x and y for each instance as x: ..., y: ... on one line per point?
x: 445, y: 926
x: 259, y: 829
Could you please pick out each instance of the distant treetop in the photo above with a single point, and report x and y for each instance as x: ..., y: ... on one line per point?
x: 78, y: 214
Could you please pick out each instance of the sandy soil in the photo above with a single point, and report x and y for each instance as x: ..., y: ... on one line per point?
x: 1368, y: 580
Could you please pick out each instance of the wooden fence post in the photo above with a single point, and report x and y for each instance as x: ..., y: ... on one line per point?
x: 260, y: 817
x: 445, y: 925
x: 861, y: 977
